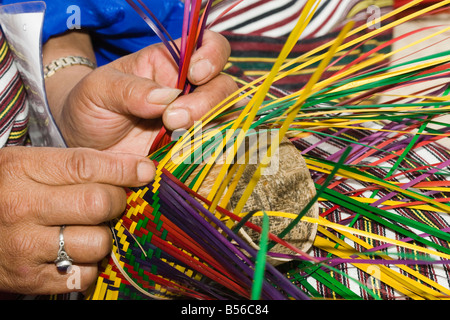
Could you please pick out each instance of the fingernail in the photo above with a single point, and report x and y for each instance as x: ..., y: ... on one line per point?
x: 201, y: 70
x: 163, y: 95
x: 145, y: 171
x: 178, y: 119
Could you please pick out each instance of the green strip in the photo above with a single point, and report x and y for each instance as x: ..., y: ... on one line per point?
x: 261, y: 258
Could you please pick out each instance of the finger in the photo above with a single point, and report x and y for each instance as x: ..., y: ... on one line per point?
x: 53, y: 166
x: 210, y: 59
x: 85, y: 204
x: 187, y: 109
x: 83, y: 244
x: 31, y: 256
x: 128, y: 94
x: 46, y: 280
x: 78, y: 278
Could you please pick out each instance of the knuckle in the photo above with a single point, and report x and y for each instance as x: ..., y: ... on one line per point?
x: 128, y: 89
x: 102, y: 243
x: 97, y: 243
x: 80, y: 166
x: 20, y: 273
x: 95, y: 204
x: 89, y: 276
x: 221, y: 47
x: 226, y: 47
x: 228, y: 84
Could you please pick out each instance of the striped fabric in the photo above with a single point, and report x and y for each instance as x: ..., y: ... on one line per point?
x: 431, y: 153
x: 13, y: 104
x: 423, y: 4
x: 253, y: 56
x: 269, y: 18
x: 257, y: 40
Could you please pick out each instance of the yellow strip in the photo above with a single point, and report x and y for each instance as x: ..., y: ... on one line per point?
x: 398, y: 282
x: 250, y: 111
x: 323, y: 222
x: 12, y: 103
x: 319, y: 166
x: 291, y: 117
x: 412, y: 284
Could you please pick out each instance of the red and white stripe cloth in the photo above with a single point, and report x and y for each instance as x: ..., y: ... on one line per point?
x: 13, y: 103
x: 270, y: 18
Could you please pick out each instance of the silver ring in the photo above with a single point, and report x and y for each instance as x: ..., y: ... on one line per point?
x: 63, y: 262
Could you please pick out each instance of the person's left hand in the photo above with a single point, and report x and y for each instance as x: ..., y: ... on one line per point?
x: 123, y: 105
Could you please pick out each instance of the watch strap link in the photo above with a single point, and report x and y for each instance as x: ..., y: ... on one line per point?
x: 64, y: 62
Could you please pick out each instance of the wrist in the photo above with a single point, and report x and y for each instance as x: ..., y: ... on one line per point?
x: 59, y: 86
x: 65, y: 62
x: 75, y: 43
x: 63, y: 80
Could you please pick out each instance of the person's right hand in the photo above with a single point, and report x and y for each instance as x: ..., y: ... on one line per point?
x: 123, y: 105
x: 44, y: 188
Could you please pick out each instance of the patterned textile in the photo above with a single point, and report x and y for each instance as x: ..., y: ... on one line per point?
x: 253, y: 56
x: 257, y: 39
x: 423, y: 4
x: 429, y: 153
x: 13, y: 104
x: 275, y: 19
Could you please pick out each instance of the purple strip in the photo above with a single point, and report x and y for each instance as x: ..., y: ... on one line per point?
x: 274, y: 274
x: 161, y: 27
x: 274, y: 294
x: 412, y: 182
x: 207, y: 10
x: 207, y: 240
x: 155, y: 29
x: 335, y: 261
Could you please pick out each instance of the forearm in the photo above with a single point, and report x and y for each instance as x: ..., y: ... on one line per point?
x: 61, y: 83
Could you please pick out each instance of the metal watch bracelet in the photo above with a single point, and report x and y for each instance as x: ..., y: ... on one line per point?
x: 64, y: 62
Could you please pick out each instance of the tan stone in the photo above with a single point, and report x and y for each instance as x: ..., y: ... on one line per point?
x: 285, y: 186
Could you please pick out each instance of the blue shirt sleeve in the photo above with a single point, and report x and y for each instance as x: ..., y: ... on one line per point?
x: 115, y: 27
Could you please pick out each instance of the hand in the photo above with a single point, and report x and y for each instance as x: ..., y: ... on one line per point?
x: 44, y: 188
x: 123, y: 105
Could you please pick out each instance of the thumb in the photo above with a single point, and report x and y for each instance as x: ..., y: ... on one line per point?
x: 127, y: 94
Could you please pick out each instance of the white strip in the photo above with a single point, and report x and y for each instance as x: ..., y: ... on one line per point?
x: 250, y: 14
x: 287, y: 28
x: 267, y: 21
x: 5, y: 80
